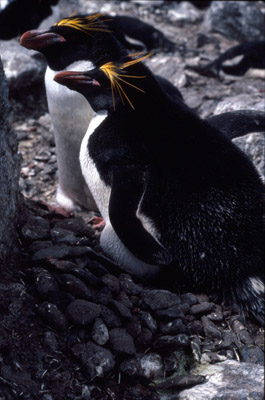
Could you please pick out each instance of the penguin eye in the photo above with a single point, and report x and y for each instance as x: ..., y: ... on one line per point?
x: 116, y: 75
x: 85, y: 24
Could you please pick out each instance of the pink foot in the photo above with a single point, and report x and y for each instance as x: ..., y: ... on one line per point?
x: 98, y: 223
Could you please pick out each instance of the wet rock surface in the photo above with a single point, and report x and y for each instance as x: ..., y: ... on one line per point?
x: 73, y: 324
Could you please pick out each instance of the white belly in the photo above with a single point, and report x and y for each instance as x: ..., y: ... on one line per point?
x: 70, y: 114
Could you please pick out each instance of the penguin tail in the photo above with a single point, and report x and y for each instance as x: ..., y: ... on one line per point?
x: 248, y: 296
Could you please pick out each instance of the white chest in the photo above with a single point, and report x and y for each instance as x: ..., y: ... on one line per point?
x: 99, y: 190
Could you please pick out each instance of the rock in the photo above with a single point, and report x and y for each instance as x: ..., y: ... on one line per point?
x: 134, y: 326
x: 46, y: 285
x: 184, y: 12
x: 210, y: 330
x: 82, y: 312
x: 9, y: 174
x: 24, y: 69
x: 201, y: 308
x: 96, y: 360
x: 121, y: 342
x: 110, y: 318
x: 251, y: 354
x: 112, y: 283
x: 170, y: 313
x: 145, y: 338
x: 148, y: 321
x: 36, y: 228
x: 129, y: 286
x: 180, y: 341
x: 148, y: 366
x: 121, y: 310
x: 239, y: 20
x: 160, y: 299
x: 180, y: 382
x: 52, y: 315
x: 188, y: 298
x: 228, y: 380
x: 77, y: 288
x: 173, y: 328
x: 100, y: 333
x: 104, y: 297
x: 50, y: 340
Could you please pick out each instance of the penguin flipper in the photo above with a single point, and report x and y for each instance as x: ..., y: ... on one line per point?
x: 126, y: 192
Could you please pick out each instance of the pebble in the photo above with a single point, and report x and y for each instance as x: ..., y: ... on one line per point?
x: 210, y: 330
x: 170, y: 313
x: 104, y: 296
x: 159, y: 299
x: 145, y: 338
x: 46, y: 285
x: 110, y: 318
x: 129, y: 286
x: 112, y: 283
x: 100, y: 333
x: 201, y: 308
x: 251, y: 354
x: 96, y: 361
x: 148, y: 321
x: 53, y: 316
x: 134, y: 326
x: 121, y: 310
x: 180, y: 382
x: 180, y: 341
x: 36, y: 228
x: 173, y: 327
x: 148, y: 366
x: 121, y: 342
x: 82, y: 312
x: 77, y: 288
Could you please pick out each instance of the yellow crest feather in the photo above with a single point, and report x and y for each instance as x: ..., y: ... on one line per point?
x: 84, y: 24
x: 115, y: 75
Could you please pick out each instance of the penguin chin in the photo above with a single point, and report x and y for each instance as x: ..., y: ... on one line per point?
x: 38, y: 40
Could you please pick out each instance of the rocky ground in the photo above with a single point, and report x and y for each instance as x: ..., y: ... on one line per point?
x: 73, y: 324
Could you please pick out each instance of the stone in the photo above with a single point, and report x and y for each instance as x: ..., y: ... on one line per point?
x: 77, y: 288
x: 104, y: 296
x: 238, y: 20
x: 128, y: 285
x: 148, y: 366
x: 134, y: 326
x: 179, y: 341
x: 96, y: 360
x: 210, y: 330
x: 46, y: 285
x: 251, y: 354
x: 36, y: 228
x: 110, y: 318
x: 201, y: 308
x: 100, y: 333
x: 121, y: 342
x: 159, y: 299
x: 82, y: 312
x: 9, y: 174
x: 148, y: 321
x: 170, y: 313
x: 228, y: 380
x: 172, y: 328
x: 112, y: 283
x: 180, y: 382
x: 145, y: 338
x: 189, y: 298
x: 52, y: 315
x: 121, y: 310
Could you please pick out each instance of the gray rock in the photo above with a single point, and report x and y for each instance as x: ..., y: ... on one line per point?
x: 100, y: 333
x: 77, y: 288
x: 201, y: 308
x: 170, y: 313
x: 129, y: 286
x: 24, y: 69
x: 159, y: 299
x: 121, y: 310
x: 46, y: 285
x: 228, y: 380
x: 52, y: 315
x: 173, y: 328
x: 184, y: 12
x: 121, y: 342
x: 251, y: 354
x: 82, y: 312
x: 148, y: 321
x: 9, y: 174
x: 179, y: 341
x: 112, y: 283
x: 149, y: 366
x: 110, y: 318
x: 210, y: 330
x: 189, y: 298
x: 36, y: 228
x: 239, y: 20
x: 96, y: 360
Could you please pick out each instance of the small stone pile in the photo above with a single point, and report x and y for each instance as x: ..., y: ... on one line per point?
x: 110, y: 326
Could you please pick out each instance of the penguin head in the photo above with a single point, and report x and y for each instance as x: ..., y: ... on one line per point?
x: 78, y: 37
x: 123, y: 83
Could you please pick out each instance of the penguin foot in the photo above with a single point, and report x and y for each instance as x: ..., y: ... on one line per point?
x: 97, y: 222
x: 58, y: 209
